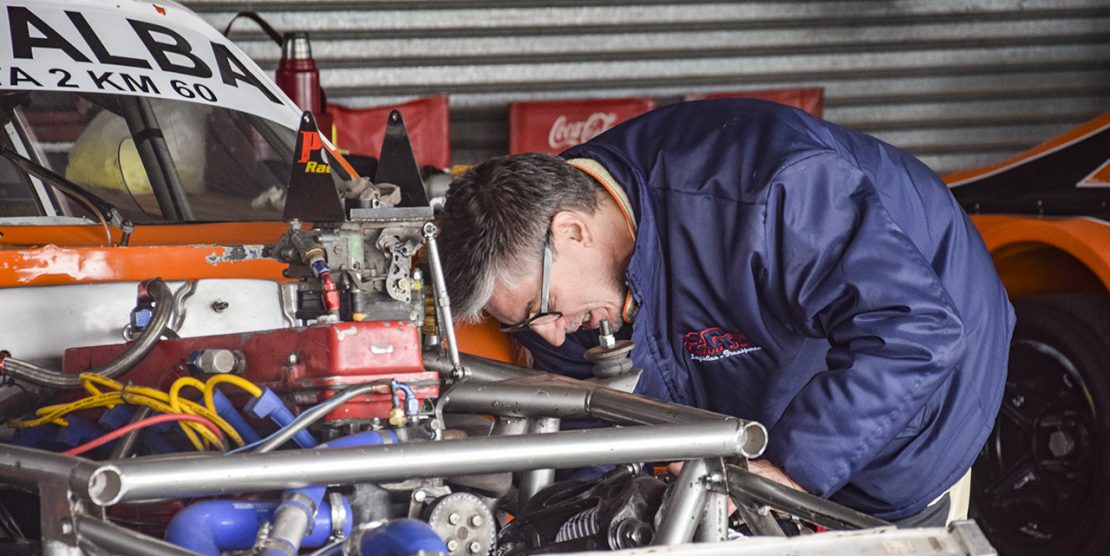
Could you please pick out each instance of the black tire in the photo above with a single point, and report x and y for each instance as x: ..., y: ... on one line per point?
x: 1042, y: 483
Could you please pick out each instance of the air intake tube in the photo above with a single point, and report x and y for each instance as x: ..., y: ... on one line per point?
x: 294, y: 516
x: 214, y: 526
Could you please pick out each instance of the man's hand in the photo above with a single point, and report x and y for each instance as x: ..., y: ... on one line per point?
x: 770, y: 471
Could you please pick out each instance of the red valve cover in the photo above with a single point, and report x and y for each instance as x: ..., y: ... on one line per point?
x: 310, y: 363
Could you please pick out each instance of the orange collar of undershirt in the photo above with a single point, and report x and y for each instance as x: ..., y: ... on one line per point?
x: 598, y: 172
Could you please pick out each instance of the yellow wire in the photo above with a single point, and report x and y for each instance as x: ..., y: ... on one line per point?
x: 210, y: 387
x: 135, y: 398
x: 188, y: 406
x: 90, y: 388
x: 141, y: 396
x: 54, y: 413
x: 101, y: 380
x: 175, y: 403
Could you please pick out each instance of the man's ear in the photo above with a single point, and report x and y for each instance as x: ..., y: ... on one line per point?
x: 571, y: 225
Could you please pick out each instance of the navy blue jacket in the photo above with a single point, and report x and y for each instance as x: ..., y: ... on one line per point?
x: 814, y: 279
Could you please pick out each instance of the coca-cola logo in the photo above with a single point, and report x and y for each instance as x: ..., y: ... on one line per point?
x: 566, y: 134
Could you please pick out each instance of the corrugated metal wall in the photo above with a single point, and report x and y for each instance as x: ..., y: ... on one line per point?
x: 958, y: 83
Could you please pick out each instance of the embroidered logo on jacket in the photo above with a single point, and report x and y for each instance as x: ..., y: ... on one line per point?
x: 716, y: 343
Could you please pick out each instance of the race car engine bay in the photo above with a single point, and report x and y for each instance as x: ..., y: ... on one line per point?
x: 347, y: 422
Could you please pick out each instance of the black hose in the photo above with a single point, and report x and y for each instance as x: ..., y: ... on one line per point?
x: 49, y: 378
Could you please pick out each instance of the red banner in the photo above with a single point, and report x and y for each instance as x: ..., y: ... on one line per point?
x: 360, y: 130
x: 554, y: 126
x: 811, y: 100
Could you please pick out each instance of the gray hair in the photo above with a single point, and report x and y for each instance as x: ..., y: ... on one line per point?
x: 495, y: 220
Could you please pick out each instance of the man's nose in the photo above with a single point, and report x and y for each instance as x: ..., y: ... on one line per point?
x: 552, y: 332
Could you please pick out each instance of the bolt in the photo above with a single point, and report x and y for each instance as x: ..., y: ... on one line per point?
x: 220, y: 305
x: 715, y: 479
x: 1018, y: 400
x: 474, y: 547
x: 419, y: 495
x: 452, y: 545
x: 476, y: 521
x: 293, y: 359
x: 454, y: 519
x: 67, y: 527
x: 607, y: 339
x: 1060, y: 444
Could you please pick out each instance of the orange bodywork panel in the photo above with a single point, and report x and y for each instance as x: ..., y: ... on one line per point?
x: 1044, y: 149
x: 55, y: 255
x: 51, y: 255
x: 1043, y: 255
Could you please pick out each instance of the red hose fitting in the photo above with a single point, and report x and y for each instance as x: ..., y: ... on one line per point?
x: 331, y: 294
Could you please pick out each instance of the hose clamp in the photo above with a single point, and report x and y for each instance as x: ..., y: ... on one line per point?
x: 339, y: 515
x: 304, y: 504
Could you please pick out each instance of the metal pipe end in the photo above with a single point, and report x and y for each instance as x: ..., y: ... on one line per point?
x: 752, y: 439
x: 105, y: 486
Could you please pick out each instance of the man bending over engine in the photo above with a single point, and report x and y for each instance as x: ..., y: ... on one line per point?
x: 767, y: 265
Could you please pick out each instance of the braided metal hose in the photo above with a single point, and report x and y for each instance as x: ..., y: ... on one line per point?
x: 159, y: 322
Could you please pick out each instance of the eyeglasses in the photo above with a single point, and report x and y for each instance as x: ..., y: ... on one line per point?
x: 544, y: 316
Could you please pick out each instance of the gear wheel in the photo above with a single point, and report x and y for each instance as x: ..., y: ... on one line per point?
x: 465, y: 524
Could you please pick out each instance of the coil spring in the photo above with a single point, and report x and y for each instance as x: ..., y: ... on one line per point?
x: 579, y: 526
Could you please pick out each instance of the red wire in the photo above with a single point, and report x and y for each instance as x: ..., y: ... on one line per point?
x: 142, y: 423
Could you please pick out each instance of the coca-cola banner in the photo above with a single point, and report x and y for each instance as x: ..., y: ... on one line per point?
x: 360, y: 130
x: 811, y: 100
x: 554, y: 126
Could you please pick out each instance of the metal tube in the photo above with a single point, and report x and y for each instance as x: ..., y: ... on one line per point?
x: 29, y: 466
x: 114, y: 539
x: 549, y: 395
x: 439, y: 285
x: 713, y: 526
x: 162, y: 478
x: 127, y: 442
x: 50, y: 474
x: 536, y: 480
x: 683, y: 505
x: 516, y: 399
x: 802, y: 504
x: 291, y: 521
x: 56, y: 519
x: 156, y: 158
x: 316, y: 413
x: 477, y: 368
x: 759, y: 520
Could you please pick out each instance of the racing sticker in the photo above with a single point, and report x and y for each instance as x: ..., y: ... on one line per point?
x: 132, y: 48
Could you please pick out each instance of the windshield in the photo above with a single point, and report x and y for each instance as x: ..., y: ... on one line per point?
x: 154, y: 159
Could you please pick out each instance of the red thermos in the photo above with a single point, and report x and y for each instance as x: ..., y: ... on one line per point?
x: 299, y: 78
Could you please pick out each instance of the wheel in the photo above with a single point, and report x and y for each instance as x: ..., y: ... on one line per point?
x: 1042, y: 483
